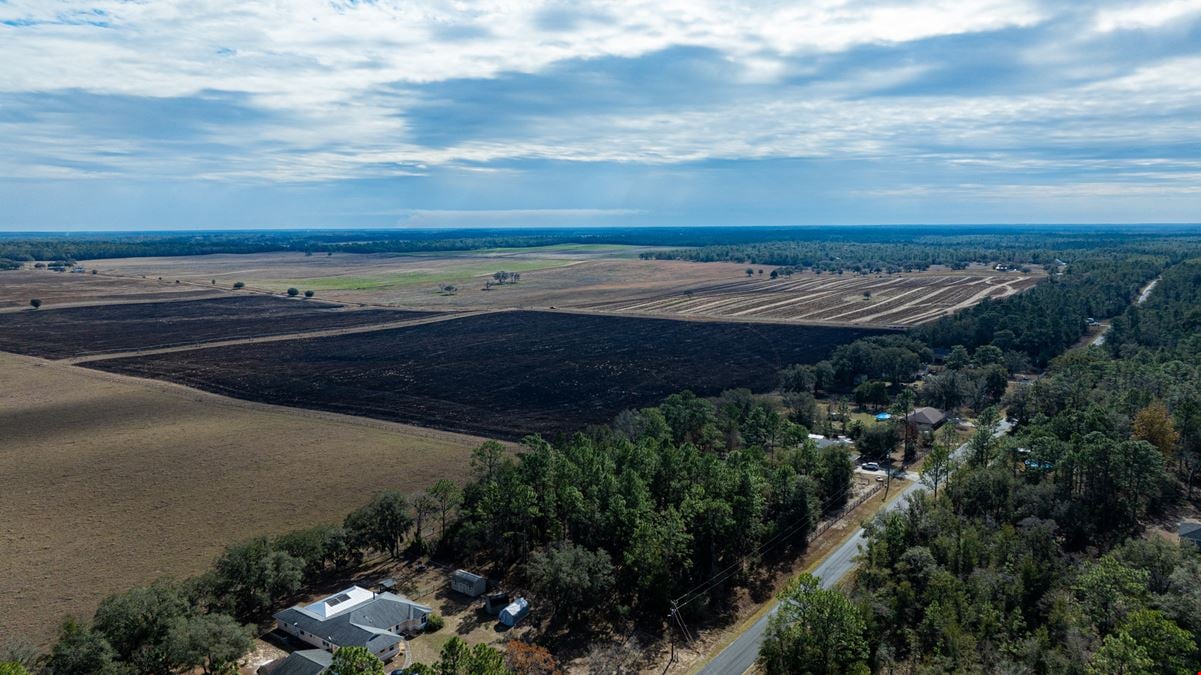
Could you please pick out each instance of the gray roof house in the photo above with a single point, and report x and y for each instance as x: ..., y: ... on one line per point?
x: 1190, y: 532
x: 303, y: 662
x: 927, y: 419
x: 355, y: 616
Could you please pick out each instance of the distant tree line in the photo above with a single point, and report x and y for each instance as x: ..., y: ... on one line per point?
x: 865, y: 249
x: 893, y: 251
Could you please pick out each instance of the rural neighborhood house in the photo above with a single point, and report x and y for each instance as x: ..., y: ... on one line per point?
x: 927, y: 419
x: 358, y: 617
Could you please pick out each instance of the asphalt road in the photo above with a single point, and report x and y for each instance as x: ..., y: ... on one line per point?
x: 740, y: 655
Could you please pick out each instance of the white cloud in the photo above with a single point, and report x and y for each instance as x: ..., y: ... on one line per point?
x: 338, y: 84
x: 1146, y: 14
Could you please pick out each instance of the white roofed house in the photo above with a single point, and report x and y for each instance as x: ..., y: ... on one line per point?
x: 356, y: 617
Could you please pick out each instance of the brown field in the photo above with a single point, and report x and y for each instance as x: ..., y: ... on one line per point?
x: 17, y: 287
x: 895, y: 300
x: 107, y: 482
x: 551, y: 277
x: 610, y: 280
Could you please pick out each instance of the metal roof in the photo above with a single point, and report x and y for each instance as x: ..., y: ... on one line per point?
x: 366, y: 623
x: 304, y: 662
x: 467, y: 576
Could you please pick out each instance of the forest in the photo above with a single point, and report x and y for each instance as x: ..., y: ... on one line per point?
x: 1044, y: 321
x: 868, y: 254
x: 1036, y: 555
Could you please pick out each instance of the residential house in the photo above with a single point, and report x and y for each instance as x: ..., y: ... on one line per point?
x: 303, y: 662
x: 358, y: 617
x: 926, y: 419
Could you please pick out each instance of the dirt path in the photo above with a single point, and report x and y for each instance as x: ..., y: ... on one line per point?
x: 448, y: 316
x: 1142, y: 297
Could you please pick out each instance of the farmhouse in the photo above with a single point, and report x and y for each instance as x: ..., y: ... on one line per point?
x: 358, y: 617
x: 926, y: 419
x: 472, y: 585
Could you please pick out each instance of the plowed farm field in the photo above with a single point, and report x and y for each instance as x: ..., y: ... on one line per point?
x: 503, y: 374
x: 896, y: 300
x: 109, y: 482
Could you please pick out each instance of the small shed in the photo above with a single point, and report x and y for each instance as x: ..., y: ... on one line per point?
x: 386, y: 586
x: 1190, y: 532
x: 472, y: 585
x: 515, y: 612
x: 495, y: 602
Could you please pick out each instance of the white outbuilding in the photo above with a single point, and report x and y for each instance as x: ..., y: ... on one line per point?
x: 472, y: 585
x: 515, y: 612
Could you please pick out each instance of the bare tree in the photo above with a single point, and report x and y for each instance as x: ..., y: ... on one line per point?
x: 938, y: 467
x: 447, y: 494
x: 424, y: 506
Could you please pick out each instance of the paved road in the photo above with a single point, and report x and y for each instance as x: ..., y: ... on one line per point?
x: 1142, y: 297
x: 740, y: 655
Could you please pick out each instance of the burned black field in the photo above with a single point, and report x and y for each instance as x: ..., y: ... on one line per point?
x: 503, y: 374
x: 80, y: 331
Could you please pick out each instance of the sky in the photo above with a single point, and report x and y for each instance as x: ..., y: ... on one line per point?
x: 160, y: 114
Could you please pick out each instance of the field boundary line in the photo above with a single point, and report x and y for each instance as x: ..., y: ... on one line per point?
x: 222, y: 400
x: 285, y: 337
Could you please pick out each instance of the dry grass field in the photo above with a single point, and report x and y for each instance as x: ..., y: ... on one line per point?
x: 550, y: 276
x: 107, y: 481
x: 56, y: 289
x: 610, y: 280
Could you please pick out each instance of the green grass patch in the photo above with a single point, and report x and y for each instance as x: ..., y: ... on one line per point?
x: 457, y: 275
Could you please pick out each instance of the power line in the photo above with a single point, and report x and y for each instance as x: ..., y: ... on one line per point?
x: 705, y: 586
